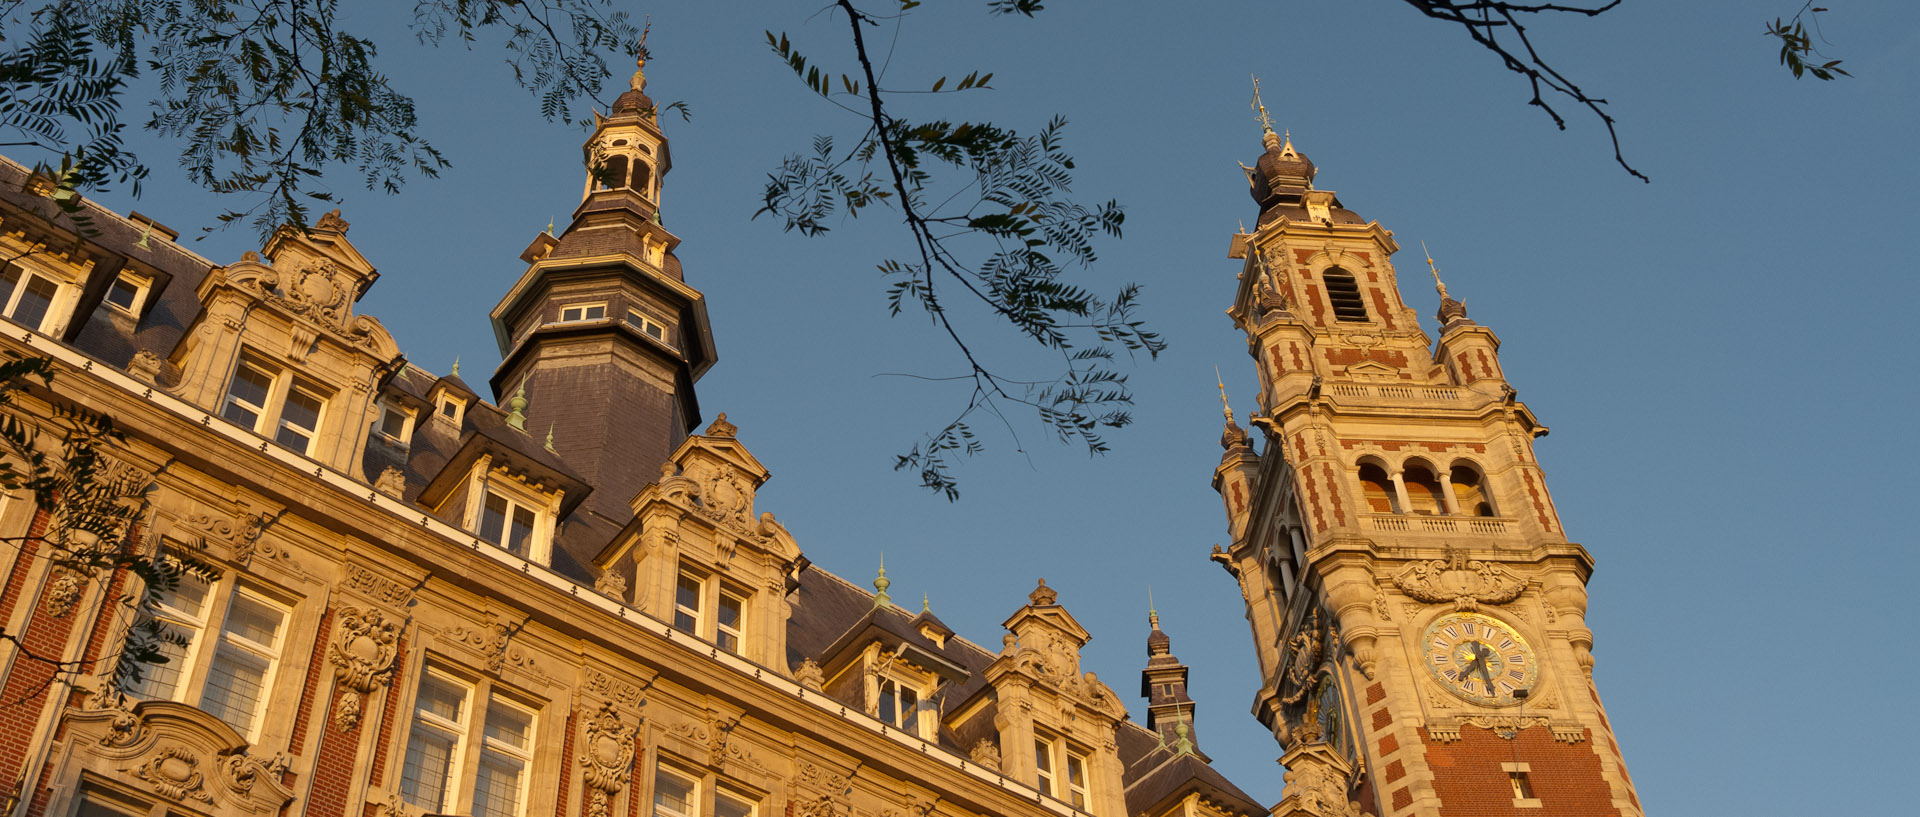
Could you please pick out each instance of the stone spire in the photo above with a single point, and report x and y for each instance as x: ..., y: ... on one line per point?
x: 1450, y: 309
x: 1232, y: 436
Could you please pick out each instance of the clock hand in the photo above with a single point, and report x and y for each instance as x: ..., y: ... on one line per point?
x: 1485, y: 673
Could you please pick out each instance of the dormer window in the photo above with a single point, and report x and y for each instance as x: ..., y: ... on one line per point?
x: 36, y: 300
x: 450, y: 408
x: 396, y: 423
x: 274, y: 403
x: 1344, y: 292
x: 900, y: 703
x: 706, y: 607
x: 647, y: 326
x: 1063, y: 770
x: 128, y: 293
x: 507, y: 523
x: 583, y: 312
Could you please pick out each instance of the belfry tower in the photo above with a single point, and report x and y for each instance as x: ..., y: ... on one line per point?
x: 1417, y: 610
x: 602, y: 332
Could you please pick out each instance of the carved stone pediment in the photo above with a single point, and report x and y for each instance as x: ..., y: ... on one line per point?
x: 1465, y: 582
x: 177, y: 752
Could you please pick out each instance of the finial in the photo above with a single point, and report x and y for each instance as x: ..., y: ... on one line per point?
x: 456, y: 367
x: 1436, y: 271
x: 142, y: 243
x: 1043, y: 595
x: 926, y: 604
x: 880, y: 585
x: 639, y: 81
x: 549, y: 225
x: 1266, y: 122
x: 517, y: 407
x: 1183, y: 744
x: 1153, y: 616
x: 549, y: 445
x: 1226, y: 406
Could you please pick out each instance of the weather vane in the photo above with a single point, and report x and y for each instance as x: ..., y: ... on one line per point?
x: 1266, y: 123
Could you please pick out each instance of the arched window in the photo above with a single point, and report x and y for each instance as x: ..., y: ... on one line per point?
x: 1378, y: 489
x: 1423, y: 490
x: 1470, y: 491
x: 612, y: 175
x: 1344, y: 292
x: 642, y: 176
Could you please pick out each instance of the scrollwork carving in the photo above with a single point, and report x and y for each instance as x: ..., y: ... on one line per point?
x: 1465, y: 582
x: 607, y: 760
x: 362, y: 658
x: 174, y: 773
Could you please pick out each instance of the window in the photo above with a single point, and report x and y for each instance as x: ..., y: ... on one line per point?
x: 1469, y: 492
x: 445, y: 742
x: 1063, y: 771
x: 680, y: 794
x: 1377, y: 489
x: 1518, y: 778
x: 450, y: 408
x: 709, y: 608
x: 1344, y: 293
x: 900, y: 704
x: 507, y: 523
x: 127, y: 293
x: 1423, y: 489
x: 583, y: 312
x: 647, y: 326
x: 235, y: 682
x: 34, y: 299
x: 396, y: 423
x: 270, y: 402
x: 675, y: 795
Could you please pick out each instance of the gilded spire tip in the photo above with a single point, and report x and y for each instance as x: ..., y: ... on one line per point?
x: 1226, y: 406
x: 1266, y: 122
x: 1435, y: 268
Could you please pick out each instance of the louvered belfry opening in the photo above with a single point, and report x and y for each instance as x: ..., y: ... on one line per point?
x: 1344, y: 292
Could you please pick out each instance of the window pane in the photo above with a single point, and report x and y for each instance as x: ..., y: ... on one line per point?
x: 247, y: 395
x: 123, y: 293
x: 496, y: 788
x: 255, y: 621
x: 888, y: 711
x: 423, y: 778
x: 493, y: 518
x: 188, y: 597
x: 686, y: 601
x: 161, y: 681
x: 393, y: 423
x: 35, y: 299
x: 595, y: 313
x: 236, y: 684
x: 727, y: 805
x: 672, y: 795
x: 522, y: 530
x: 302, y: 410
x: 1043, y: 760
x: 508, y: 725
x: 442, y: 699
x: 909, y: 705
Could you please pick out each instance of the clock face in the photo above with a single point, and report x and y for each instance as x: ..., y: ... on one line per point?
x: 1479, y: 658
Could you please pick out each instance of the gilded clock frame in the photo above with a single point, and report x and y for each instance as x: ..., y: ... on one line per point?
x: 1530, y: 663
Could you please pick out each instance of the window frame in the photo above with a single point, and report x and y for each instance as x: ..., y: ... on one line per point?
x: 713, y: 590
x: 270, y: 418
x: 641, y: 322
x: 489, y: 480
x: 1062, y: 756
x: 583, y: 308
x: 59, y: 305
x: 408, y: 418
x: 914, y: 721
x: 471, y: 742
x: 209, y: 640
x: 141, y: 286
x: 706, y: 789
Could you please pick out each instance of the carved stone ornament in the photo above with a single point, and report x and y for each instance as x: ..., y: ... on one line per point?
x: 816, y: 778
x: 1316, y: 784
x: 392, y: 482
x: 615, y: 690
x: 1043, y: 595
x: 611, y: 583
x: 1467, y: 583
x: 607, y: 761
x: 493, y: 638
x: 174, y: 772
x: 808, y: 675
x: 362, y: 580
x: 145, y: 367
x: 1304, y: 652
x: 362, y: 658
x: 64, y: 592
x: 986, y: 753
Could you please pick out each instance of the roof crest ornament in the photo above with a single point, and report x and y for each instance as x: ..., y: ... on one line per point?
x: 456, y: 367
x: 517, y: 407
x: 639, y: 81
x: 1226, y: 406
x: 1153, y: 616
x: 880, y: 585
x: 1435, y: 268
x: 1266, y: 122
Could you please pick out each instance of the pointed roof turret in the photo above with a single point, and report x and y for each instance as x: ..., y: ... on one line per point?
x: 1164, y: 684
x: 1450, y: 309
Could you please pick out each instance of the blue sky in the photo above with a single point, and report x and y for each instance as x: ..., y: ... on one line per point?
x: 1721, y: 354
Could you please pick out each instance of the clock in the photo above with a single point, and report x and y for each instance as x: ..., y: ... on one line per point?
x: 1479, y: 658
